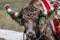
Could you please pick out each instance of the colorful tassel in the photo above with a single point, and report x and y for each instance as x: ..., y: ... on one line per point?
x: 11, y: 12
x: 48, y: 12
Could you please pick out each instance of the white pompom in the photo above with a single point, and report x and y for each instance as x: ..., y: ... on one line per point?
x: 56, y: 17
x: 58, y: 12
x: 6, y: 5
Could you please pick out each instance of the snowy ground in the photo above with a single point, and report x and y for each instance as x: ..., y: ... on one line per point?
x: 11, y: 35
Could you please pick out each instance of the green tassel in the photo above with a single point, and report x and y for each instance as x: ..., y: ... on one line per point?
x: 40, y: 22
x: 43, y: 14
x: 51, y: 11
x: 11, y: 12
x: 18, y: 14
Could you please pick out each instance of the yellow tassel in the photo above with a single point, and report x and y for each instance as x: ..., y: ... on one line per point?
x: 45, y: 13
x: 16, y: 14
x: 52, y: 8
x: 9, y: 10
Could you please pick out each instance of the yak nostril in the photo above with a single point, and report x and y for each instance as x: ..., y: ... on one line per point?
x: 30, y: 33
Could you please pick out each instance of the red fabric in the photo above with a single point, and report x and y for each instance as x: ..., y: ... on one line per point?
x: 7, y: 7
x: 13, y: 14
x: 57, y: 2
x: 55, y: 26
x: 46, y: 4
x: 48, y: 12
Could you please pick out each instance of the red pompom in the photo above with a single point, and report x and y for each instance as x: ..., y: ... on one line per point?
x: 7, y: 6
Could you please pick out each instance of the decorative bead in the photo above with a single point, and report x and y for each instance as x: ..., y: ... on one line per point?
x: 17, y: 14
x: 45, y: 13
x: 55, y: 5
x: 7, y: 7
x: 13, y: 14
x: 48, y: 12
x: 52, y: 8
x: 10, y: 11
x: 51, y: 11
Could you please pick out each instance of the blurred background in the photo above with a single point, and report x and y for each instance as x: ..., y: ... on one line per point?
x: 6, y: 22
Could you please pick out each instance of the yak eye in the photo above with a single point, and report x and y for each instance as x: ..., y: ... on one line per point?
x: 29, y: 14
x: 25, y: 21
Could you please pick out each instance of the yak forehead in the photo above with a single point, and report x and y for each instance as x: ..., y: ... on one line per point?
x: 30, y: 12
x: 30, y: 8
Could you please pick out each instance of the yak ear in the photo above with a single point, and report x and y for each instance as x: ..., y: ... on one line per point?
x: 21, y: 11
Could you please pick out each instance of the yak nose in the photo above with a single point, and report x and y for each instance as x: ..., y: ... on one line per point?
x: 30, y: 34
